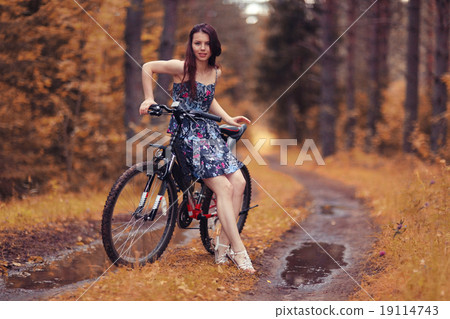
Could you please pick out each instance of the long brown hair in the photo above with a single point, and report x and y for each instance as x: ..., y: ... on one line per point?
x: 190, y: 65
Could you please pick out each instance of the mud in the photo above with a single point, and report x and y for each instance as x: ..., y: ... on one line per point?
x: 321, y: 258
x: 42, y: 277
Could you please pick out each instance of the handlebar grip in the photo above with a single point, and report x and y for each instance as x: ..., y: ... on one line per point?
x: 155, y: 109
x: 208, y: 116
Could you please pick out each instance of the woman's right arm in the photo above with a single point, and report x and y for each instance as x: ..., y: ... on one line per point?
x: 172, y: 67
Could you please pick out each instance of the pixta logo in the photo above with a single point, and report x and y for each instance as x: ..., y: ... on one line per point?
x: 143, y: 146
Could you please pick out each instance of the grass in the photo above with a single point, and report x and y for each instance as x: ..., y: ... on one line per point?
x: 54, y: 207
x: 411, y: 197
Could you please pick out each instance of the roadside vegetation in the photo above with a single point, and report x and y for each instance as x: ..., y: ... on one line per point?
x: 409, y: 202
x: 35, y: 212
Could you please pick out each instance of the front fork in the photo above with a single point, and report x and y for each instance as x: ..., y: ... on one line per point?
x: 162, y: 174
x: 151, y: 215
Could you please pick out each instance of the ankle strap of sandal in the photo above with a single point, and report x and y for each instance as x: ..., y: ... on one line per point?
x: 218, y: 244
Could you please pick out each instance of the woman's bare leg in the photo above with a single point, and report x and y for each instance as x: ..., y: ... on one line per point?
x: 226, y: 210
x: 238, y: 182
x: 229, y: 201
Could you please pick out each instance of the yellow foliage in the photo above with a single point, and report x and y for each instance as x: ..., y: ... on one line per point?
x: 415, y: 264
x: 390, y: 130
x: 446, y: 79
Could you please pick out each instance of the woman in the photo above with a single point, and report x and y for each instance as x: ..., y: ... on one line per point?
x: 194, y: 83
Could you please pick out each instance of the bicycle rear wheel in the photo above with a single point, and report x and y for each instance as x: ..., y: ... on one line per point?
x: 129, y: 238
x: 208, y: 227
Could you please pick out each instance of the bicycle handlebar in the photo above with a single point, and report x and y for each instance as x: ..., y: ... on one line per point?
x: 207, y: 115
x: 157, y: 110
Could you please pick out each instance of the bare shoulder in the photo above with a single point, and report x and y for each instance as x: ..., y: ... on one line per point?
x: 219, y: 72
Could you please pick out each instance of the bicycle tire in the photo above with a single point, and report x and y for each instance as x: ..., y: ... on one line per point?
x: 208, y: 226
x: 128, y: 240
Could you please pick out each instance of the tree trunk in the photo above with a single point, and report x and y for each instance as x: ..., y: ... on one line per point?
x: 166, y: 49
x: 291, y: 120
x: 439, y: 100
x: 373, y: 113
x: 328, y: 107
x: 378, y: 69
x: 350, y: 96
x: 429, y: 45
x: 412, y: 76
x: 383, y: 41
x: 133, y: 72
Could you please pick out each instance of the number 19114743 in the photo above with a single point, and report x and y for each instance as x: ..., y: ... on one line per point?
x: 409, y: 310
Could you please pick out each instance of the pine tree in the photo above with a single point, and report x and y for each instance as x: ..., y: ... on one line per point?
x: 290, y: 48
x: 440, y: 93
x: 412, y: 80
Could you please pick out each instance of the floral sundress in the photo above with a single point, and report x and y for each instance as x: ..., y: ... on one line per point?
x: 206, y: 153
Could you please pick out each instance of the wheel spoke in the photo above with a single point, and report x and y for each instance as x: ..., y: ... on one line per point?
x: 131, y: 240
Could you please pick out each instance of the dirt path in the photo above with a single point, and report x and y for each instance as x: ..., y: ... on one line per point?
x: 294, y: 269
x: 297, y: 268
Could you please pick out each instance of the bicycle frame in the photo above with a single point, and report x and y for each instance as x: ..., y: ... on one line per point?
x: 174, y: 167
x: 159, y: 180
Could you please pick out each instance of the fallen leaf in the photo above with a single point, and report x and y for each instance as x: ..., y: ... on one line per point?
x: 36, y: 259
x: 185, y: 289
x: 3, y: 271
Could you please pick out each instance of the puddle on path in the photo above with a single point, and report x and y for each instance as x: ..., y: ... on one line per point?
x: 77, y: 266
x: 309, y: 264
x: 327, y: 210
x: 86, y: 263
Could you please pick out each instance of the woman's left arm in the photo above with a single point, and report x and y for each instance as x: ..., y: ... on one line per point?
x: 216, y: 109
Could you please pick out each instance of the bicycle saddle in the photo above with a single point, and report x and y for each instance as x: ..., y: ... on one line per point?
x: 233, y: 131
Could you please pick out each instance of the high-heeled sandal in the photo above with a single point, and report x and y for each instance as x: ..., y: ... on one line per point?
x: 246, y: 264
x: 222, y: 258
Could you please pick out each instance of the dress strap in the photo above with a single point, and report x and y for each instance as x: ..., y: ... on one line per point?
x: 216, y: 75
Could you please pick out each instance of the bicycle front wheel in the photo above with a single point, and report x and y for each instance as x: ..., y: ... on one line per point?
x: 129, y: 238
x: 208, y: 227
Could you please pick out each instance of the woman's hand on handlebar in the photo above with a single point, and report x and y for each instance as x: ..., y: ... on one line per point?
x: 237, y: 120
x: 143, y: 109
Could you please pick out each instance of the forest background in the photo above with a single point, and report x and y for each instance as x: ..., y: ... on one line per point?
x: 367, y: 80
x: 70, y: 94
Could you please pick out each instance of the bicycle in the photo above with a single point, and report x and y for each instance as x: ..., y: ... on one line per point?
x: 142, y: 207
